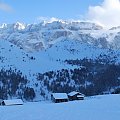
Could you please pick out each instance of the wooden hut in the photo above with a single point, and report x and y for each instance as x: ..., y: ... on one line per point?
x: 75, y: 96
x: 59, y: 97
x: 12, y: 102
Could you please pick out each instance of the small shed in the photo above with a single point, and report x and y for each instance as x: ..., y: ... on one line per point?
x: 12, y: 102
x: 75, y: 96
x: 59, y: 97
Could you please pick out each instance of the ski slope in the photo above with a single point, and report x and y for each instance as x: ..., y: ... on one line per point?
x: 106, y: 107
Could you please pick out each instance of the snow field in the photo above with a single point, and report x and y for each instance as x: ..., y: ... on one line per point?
x: 106, y: 107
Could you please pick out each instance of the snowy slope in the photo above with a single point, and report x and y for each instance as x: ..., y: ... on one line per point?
x: 95, y: 108
x: 12, y: 56
x: 46, y: 60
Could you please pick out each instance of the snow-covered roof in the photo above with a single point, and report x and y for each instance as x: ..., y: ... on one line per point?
x: 13, y: 102
x: 73, y: 93
x: 79, y: 96
x: 60, y: 95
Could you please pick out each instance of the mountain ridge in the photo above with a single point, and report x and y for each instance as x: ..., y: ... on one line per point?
x: 35, y: 37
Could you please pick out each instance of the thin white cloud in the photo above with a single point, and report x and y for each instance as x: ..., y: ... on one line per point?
x: 47, y: 19
x: 5, y: 7
x: 107, y: 14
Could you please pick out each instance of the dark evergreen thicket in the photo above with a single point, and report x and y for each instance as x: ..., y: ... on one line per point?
x: 13, y: 84
x: 92, y: 77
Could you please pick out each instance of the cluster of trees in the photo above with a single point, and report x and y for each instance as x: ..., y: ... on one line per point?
x: 29, y: 94
x: 116, y: 91
x: 14, y: 84
x: 92, y: 77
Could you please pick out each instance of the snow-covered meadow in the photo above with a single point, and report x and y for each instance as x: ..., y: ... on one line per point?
x: 106, y: 107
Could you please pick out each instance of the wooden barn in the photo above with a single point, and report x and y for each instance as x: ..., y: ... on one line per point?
x: 75, y: 96
x: 12, y: 102
x: 59, y: 97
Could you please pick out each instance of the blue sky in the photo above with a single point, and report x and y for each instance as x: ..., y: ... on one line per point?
x: 29, y: 10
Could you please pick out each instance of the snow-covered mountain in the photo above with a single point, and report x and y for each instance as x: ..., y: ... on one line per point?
x: 41, y: 51
x: 35, y: 37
